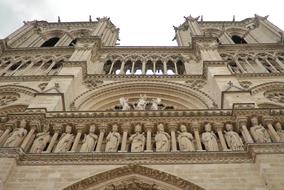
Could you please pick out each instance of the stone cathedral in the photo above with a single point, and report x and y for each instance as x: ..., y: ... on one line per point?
x: 78, y: 112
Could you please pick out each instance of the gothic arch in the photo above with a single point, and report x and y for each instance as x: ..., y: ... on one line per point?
x: 266, y: 87
x: 172, y: 94
x: 133, y: 177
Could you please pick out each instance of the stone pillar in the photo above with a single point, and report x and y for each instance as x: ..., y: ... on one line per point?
x: 144, y: 67
x: 5, y: 135
x: 242, y: 123
x: 219, y: 127
x: 30, y: 136
x: 173, y: 127
x: 149, y: 128
x: 273, y: 134
x: 56, y: 129
x: 101, y: 137
x: 125, y: 128
x: 79, y: 128
x: 122, y: 67
x: 195, y: 126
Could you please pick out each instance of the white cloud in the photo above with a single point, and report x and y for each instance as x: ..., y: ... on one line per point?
x: 142, y: 22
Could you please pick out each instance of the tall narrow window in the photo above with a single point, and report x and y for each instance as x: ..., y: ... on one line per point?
x: 107, y: 66
x: 180, y: 67
x: 159, y: 68
x: 128, y: 67
x: 149, y: 68
x: 116, y: 67
x: 50, y: 42
x: 171, y: 68
x: 138, y: 68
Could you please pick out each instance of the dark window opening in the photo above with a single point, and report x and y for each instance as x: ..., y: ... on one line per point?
x: 73, y: 43
x: 238, y: 40
x: 50, y: 42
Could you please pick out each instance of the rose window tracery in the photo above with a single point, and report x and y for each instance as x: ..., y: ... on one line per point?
x: 8, y: 98
x: 275, y: 96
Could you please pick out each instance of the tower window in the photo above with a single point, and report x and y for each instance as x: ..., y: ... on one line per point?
x: 238, y: 40
x: 50, y: 42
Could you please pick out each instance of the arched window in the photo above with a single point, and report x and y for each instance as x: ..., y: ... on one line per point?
x: 116, y: 67
x: 56, y: 68
x: 180, y: 67
x: 159, y: 68
x: 50, y: 42
x: 46, y: 65
x: 107, y: 66
x: 138, y: 67
x: 128, y: 67
x: 149, y: 68
x: 22, y: 68
x: 15, y: 66
x: 73, y: 43
x: 234, y: 67
x: 238, y: 40
x: 274, y: 63
x: 171, y: 68
x: 266, y: 65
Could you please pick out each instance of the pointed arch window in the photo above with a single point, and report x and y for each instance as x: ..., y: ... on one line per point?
x: 50, y: 42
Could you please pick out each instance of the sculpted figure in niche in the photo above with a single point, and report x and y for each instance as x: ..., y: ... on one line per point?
x: 209, y: 139
x: 90, y: 140
x: 233, y: 139
x: 17, y: 136
x: 137, y: 140
x: 162, y: 139
x: 279, y: 131
x: 124, y: 103
x: 113, y: 140
x: 155, y: 104
x: 185, y: 139
x: 65, y: 141
x: 258, y: 132
x: 41, y: 140
x: 141, y: 104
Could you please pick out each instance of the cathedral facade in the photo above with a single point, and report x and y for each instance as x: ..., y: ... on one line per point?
x: 79, y: 112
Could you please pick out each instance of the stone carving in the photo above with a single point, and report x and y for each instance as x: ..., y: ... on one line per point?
x: 124, y: 103
x: 209, y: 139
x: 155, y: 104
x: 65, y: 140
x: 245, y: 84
x: 275, y: 96
x: 142, y: 102
x: 137, y: 140
x: 113, y: 140
x: 185, y: 139
x: 8, y: 98
x: 162, y: 139
x: 258, y: 132
x: 279, y: 131
x: 233, y: 139
x: 133, y: 183
x: 17, y: 136
x: 90, y: 140
x: 41, y: 140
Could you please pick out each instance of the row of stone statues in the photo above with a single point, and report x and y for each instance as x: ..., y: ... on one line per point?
x: 138, y: 141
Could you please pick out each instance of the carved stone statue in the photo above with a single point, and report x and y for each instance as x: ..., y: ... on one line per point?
x: 124, y: 103
x: 141, y: 104
x: 90, y: 140
x: 209, y: 139
x: 41, y: 140
x: 279, y: 131
x: 113, y: 140
x: 185, y: 139
x: 258, y: 132
x: 162, y: 139
x: 17, y: 136
x: 155, y: 104
x: 137, y: 140
x: 233, y: 139
x: 65, y: 140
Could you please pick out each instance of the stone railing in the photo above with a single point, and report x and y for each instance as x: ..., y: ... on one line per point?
x: 161, y: 136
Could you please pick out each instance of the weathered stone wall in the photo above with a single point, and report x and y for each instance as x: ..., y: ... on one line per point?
x: 266, y: 173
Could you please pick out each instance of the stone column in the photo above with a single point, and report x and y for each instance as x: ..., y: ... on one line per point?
x: 173, y: 127
x: 30, y: 136
x: 57, y: 130
x: 196, y: 127
x: 122, y: 67
x: 79, y: 128
x: 102, y: 130
x: 125, y: 128
x: 219, y: 127
x: 242, y: 123
x: 144, y: 67
x: 5, y: 135
x: 149, y: 128
x: 273, y: 134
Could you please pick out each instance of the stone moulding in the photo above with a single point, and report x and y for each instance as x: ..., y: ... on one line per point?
x: 196, y: 157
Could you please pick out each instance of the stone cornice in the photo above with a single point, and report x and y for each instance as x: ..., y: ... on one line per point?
x: 39, y: 50
x: 252, y: 47
x: 38, y: 78
x: 196, y: 157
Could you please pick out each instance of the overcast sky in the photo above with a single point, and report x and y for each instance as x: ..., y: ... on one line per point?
x: 141, y: 22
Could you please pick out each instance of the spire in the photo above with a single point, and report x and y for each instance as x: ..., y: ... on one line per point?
x: 58, y: 18
x: 190, y: 18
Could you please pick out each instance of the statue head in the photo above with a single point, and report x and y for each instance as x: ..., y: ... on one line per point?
x: 183, y: 128
x: 208, y: 127
x: 160, y: 127
x: 92, y: 128
x: 254, y: 121
x: 68, y: 129
x: 278, y: 126
x: 23, y: 123
x: 138, y: 128
x: 229, y: 127
x: 45, y: 128
x: 114, y: 128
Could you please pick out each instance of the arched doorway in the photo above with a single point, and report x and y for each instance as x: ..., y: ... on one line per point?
x: 133, y: 177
